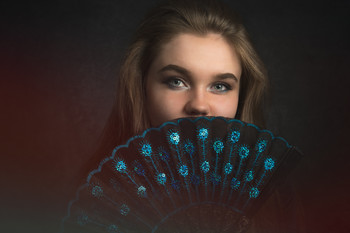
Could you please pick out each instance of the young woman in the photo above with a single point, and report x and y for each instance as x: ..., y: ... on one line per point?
x: 156, y: 44
x: 187, y: 59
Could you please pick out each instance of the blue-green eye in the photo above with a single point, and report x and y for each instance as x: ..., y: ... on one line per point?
x: 221, y: 87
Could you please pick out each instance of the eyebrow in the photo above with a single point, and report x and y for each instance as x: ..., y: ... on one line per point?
x: 176, y: 68
x: 226, y: 76
x: 185, y: 72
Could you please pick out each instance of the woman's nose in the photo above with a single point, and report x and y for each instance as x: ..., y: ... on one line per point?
x: 197, y: 104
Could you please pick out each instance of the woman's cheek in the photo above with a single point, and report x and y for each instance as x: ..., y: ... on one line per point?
x: 226, y: 106
x: 171, y: 105
x: 163, y: 106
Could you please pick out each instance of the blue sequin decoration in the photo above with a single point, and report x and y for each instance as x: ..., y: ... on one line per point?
x: 146, y: 149
x: 235, y: 136
x: 121, y: 166
x: 235, y: 183
x: 243, y: 152
x: 205, y: 166
x: 163, y: 155
x: 161, y: 178
x: 195, y: 153
x: 215, y: 178
x: 249, y: 176
x: 189, y: 148
x: 124, y: 209
x: 174, y: 137
x: 175, y: 184
x: 112, y: 229
x: 218, y: 146
x: 228, y: 168
x: 82, y: 220
x: 203, y: 133
x: 139, y: 169
x: 97, y: 191
x: 254, y: 193
x: 183, y: 170
x: 141, y: 191
x: 195, y: 180
x: 261, y: 146
x: 269, y: 164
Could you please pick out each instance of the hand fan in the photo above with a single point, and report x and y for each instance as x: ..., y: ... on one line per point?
x: 189, y: 175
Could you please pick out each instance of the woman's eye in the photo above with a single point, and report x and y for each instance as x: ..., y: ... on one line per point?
x: 175, y: 83
x: 221, y: 87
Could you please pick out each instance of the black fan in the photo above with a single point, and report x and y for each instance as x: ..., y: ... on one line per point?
x: 189, y: 175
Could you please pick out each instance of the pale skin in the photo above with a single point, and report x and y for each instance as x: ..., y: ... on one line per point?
x: 193, y: 76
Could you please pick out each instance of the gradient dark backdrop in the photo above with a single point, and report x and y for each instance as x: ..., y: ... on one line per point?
x: 58, y: 68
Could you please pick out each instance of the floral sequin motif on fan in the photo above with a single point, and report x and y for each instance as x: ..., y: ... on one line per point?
x: 174, y: 137
x: 146, y: 149
x: 205, y: 166
x: 112, y: 229
x: 121, y: 166
x: 243, y: 152
x: 261, y: 146
x: 161, y: 178
x: 188, y: 146
x: 269, y: 164
x: 83, y: 219
x: 97, y: 191
x: 138, y: 168
x: 215, y: 179
x: 235, y: 183
x: 183, y: 170
x: 249, y: 176
x: 218, y: 146
x: 163, y: 155
x: 124, y: 209
x: 254, y: 192
x: 141, y: 191
x: 228, y: 168
x: 203, y: 134
x: 234, y: 137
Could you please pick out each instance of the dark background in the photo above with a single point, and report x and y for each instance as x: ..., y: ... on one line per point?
x: 59, y: 61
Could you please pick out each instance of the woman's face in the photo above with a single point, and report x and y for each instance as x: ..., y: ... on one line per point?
x: 193, y: 76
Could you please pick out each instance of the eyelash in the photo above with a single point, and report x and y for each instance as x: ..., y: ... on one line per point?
x: 171, y: 85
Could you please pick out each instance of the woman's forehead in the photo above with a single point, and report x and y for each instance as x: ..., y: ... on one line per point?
x: 209, y: 54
